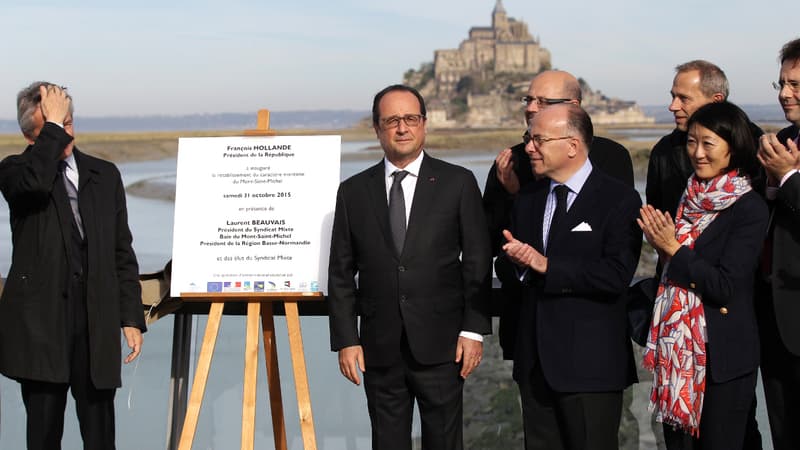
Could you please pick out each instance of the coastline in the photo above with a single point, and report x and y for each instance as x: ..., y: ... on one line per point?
x: 146, y: 146
x: 492, y: 418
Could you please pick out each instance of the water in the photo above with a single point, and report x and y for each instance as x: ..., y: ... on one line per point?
x: 142, y: 401
x: 339, y: 408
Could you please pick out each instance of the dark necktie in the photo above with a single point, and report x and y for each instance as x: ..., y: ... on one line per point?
x: 561, y: 210
x: 72, y: 195
x: 397, y: 210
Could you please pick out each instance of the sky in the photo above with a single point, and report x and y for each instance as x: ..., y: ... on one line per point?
x: 175, y: 57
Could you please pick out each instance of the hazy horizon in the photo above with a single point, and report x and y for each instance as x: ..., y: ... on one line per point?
x: 189, y: 57
x: 310, y: 119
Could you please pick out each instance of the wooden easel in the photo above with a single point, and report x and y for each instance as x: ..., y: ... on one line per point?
x: 258, y: 305
x: 262, y: 125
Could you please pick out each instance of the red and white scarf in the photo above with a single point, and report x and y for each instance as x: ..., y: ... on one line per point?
x: 676, y: 345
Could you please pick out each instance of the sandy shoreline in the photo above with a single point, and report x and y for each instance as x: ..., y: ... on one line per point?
x: 150, y: 146
x: 139, y: 146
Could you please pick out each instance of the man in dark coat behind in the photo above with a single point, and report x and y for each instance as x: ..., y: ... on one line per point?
x: 73, y: 281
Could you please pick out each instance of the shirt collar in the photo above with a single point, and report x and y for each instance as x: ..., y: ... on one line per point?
x: 577, y: 180
x: 70, y: 162
x: 412, y: 168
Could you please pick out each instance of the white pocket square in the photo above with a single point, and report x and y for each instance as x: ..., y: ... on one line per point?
x: 583, y: 226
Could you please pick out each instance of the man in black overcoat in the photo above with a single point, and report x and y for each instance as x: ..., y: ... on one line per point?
x: 74, y: 280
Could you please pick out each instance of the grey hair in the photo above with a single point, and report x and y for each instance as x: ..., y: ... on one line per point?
x: 712, y: 78
x: 28, y: 101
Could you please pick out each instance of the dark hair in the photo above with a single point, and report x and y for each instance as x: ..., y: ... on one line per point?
x: 392, y: 88
x: 579, y: 122
x: 790, y: 51
x: 729, y: 122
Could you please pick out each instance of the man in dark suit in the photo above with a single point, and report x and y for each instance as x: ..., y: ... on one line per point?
x: 412, y: 230
x: 511, y: 172
x: 576, y: 243
x: 74, y: 280
x: 778, y: 301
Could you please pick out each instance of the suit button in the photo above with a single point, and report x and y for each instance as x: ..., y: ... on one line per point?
x: 402, y: 268
x: 402, y: 299
x: 723, y: 311
x: 692, y: 286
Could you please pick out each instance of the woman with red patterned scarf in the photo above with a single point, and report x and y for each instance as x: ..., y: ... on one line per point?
x: 703, y: 343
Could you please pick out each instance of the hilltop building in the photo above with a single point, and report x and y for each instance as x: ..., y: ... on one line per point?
x: 479, y: 83
x: 505, y: 47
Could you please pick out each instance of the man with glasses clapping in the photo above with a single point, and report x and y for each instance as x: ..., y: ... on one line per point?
x: 511, y: 171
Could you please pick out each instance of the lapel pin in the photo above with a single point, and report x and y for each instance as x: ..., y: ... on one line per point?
x: 432, y: 179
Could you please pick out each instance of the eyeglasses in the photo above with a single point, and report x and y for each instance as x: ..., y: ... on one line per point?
x: 411, y: 120
x: 543, y: 101
x: 793, y: 85
x: 541, y: 140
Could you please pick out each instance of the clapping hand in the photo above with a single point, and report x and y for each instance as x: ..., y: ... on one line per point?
x: 659, y: 230
x: 505, y: 171
x: 778, y: 159
x: 523, y: 254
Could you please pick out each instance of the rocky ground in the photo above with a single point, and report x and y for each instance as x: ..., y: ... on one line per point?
x: 493, y: 416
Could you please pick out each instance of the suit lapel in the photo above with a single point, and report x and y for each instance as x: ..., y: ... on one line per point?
x: 63, y: 210
x: 582, y: 208
x: 88, y: 178
x: 531, y: 211
x: 378, y: 203
x: 86, y: 170
x: 540, y: 201
x: 424, y: 198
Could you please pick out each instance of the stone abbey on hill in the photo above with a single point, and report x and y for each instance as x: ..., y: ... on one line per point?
x: 479, y: 83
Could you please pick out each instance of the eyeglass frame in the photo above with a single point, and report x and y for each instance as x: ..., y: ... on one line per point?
x: 539, y: 140
x: 794, y: 86
x: 527, y: 100
x: 418, y: 118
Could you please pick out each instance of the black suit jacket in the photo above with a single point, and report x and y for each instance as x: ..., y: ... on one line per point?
x: 573, y: 317
x: 605, y: 154
x: 721, y: 269
x: 33, y: 322
x: 436, y: 288
x: 785, y: 276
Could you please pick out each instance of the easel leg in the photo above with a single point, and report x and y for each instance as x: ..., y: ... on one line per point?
x: 300, y: 376
x: 250, y: 376
x: 201, y: 375
x: 273, y: 377
x: 179, y: 377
